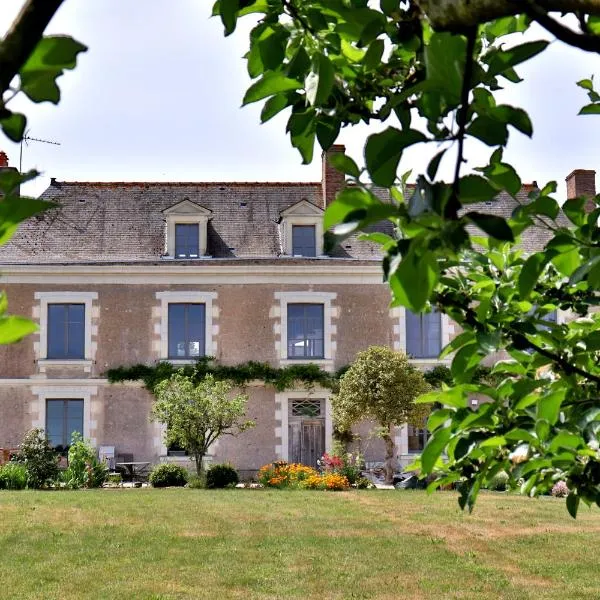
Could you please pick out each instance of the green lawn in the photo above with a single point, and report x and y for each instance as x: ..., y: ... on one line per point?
x: 277, y: 544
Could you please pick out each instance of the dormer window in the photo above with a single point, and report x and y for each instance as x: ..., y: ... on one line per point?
x: 302, y: 230
x: 187, y: 240
x: 186, y: 230
x: 304, y: 240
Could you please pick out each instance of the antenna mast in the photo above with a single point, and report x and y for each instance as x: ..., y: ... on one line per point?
x: 27, y: 138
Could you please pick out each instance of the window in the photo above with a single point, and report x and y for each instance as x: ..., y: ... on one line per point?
x: 63, y: 418
x: 303, y: 240
x: 423, y: 334
x: 417, y: 438
x: 66, y: 331
x: 187, y: 240
x: 305, y: 329
x: 187, y: 330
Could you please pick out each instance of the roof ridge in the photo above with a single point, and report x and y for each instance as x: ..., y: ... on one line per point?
x: 184, y: 183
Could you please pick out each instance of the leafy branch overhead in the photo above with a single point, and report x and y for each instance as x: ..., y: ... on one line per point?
x: 428, y: 74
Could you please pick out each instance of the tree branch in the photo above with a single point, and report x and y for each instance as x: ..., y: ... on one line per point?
x: 23, y: 37
x: 456, y: 15
x: 584, y: 41
x: 454, y: 205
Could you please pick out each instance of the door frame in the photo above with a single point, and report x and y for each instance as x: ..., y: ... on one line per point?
x: 282, y: 402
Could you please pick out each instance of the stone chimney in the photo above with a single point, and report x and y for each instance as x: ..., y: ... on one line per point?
x: 582, y: 182
x: 332, y: 180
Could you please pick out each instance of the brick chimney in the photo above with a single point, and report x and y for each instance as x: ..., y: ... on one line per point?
x: 4, y: 166
x: 3, y: 159
x: 582, y: 182
x: 332, y: 179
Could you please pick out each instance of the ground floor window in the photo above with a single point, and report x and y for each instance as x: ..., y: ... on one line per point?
x: 417, y: 438
x: 63, y: 418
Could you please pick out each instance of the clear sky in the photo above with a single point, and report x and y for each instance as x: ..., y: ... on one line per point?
x: 158, y: 94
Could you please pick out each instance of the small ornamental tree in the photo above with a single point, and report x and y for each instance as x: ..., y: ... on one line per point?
x: 381, y: 385
x: 197, y: 413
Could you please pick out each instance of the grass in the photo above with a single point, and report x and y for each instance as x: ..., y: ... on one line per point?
x: 167, y: 544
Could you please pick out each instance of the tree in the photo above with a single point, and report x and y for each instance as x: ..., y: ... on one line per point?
x: 196, y: 414
x: 380, y: 385
x: 337, y: 63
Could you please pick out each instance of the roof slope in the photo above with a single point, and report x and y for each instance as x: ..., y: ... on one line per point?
x: 124, y: 222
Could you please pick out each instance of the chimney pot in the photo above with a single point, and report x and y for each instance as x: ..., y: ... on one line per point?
x: 332, y: 180
x: 582, y: 182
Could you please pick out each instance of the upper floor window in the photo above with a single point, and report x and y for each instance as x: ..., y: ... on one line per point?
x: 66, y: 331
x: 63, y: 419
x: 187, y: 240
x: 302, y: 229
x: 303, y: 240
x: 186, y: 230
x: 423, y: 334
x: 187, y: 328
x: 305, y: 331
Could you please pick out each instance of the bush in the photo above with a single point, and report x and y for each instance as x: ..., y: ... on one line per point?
x: 283, y: 475
x: 343, y: 463
x: 84, y: 470
x: 13, y: 476
x: 220, y: 476
x: 560, y: 490
x: 40, y: 460
x: 362, y: 483
x: 197, y: 483
x: 168, y: 475
x: 499, y: 482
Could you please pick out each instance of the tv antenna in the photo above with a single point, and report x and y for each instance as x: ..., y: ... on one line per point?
x: 26, y: 139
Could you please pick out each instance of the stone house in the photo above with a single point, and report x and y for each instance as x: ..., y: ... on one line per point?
x: 138, y: 272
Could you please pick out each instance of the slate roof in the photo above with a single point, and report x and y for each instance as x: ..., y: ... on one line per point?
x: 123, y: 222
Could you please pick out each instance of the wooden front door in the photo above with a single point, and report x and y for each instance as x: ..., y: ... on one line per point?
x: 306, y: 431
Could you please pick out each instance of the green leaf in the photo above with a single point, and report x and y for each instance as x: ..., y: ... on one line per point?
x: 511, y: 57
x: 516, y: 117
x: 474, y: 188
x: 573, y: 504
x: 14, y: 126
x: 275, y: 105
x: 13, y: 210
x: 344, y: 164
x: 565, y: 439
x: 269, y: 84
x: 434, y: 165
x: 228, y: 10
x: 567, y: 262
x: 530, y: 273
x: 435, y: 447
x: 373, y: 56
x: 549, y: 406
x: 490, y: 131
x: 13, y: 329
x: 319, y: 82
x: 51, y: 56
x: 444, y: 61
x: 348, y: 201
x: 465, y: 361
x: 466, y: 337
x: 520, y: 435
x: 495, y: 226
x: 383, y: 151
x: 590, y: 109
x: 414, y: 280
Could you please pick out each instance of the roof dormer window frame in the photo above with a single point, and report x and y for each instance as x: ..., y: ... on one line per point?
x: 186, y: 213
x: 302, y: 213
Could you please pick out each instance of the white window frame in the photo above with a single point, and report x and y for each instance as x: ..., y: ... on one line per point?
x: 324, y: 298
x: 167, y: 298
x: 186, y: 213
x: 399, y: 313
x: 67, y: 392
x: 313, y: 215
x: 85, y: 298
x: 282, y: 407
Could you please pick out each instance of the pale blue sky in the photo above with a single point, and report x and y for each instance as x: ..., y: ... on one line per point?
x: 158, y: 94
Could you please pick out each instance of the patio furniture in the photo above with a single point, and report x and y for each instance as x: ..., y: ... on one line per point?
x: 137, y: 471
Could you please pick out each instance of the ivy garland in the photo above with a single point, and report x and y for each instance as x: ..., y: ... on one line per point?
x: 242, y: 374
x: 281, y: 379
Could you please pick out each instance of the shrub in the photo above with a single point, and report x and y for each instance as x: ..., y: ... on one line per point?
x: 499, y: 482
x: 560, y: 490
x: 220, y: 476
x: 13, y: 476
x: 168, y: 475
x: 197, y: 482
x: 84, y: 470
x: 344, y: 463
x: 40, y: 460
x: 283, y: 475
x: 362, y: 483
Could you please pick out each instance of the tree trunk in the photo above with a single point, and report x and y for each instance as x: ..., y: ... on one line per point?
x: 198, y: 456
x: 390, y: 455
x: 455, y: 15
